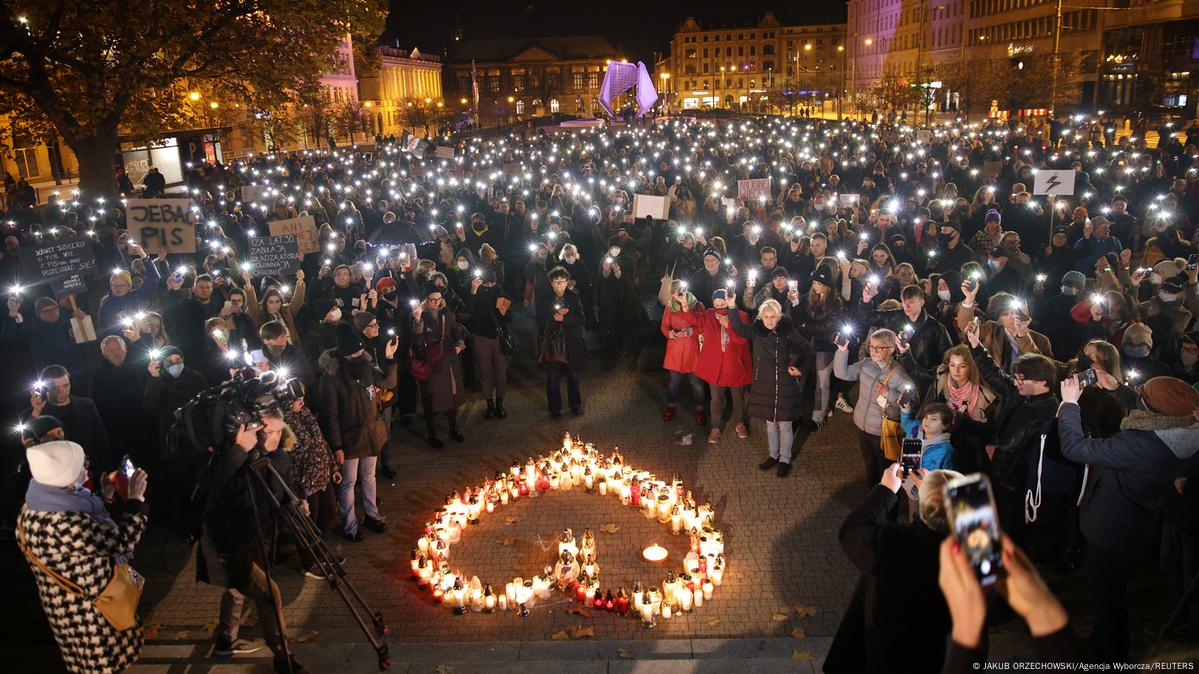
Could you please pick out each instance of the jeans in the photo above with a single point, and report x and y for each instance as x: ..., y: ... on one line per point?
x: 780, y: 436
x: 265, y: 597
x: 676, y: 383
x: 553, y: 387
x: 737, y: 393
x: 824, y: 378
x: 352, y: 472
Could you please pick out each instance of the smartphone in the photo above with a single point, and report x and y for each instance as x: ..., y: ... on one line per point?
x: 793, y: 285
x: 1193, y: 261
x: 910, y: 455
x: 257, y: 356
x: 127, y: 467
x: 228, y: 305
x: 1087, y: 378
x: 974, y: 521
x: 971, y: 284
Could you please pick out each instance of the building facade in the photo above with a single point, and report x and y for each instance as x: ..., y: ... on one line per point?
x: 404, y: 78
x: 1150, y: 59
x: 521, y: 78
x: 757, y: 66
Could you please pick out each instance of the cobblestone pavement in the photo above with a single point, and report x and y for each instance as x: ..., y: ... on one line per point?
x: 780, y: 535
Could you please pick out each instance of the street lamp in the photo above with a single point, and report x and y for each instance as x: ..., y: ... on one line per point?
x: 665, y: 93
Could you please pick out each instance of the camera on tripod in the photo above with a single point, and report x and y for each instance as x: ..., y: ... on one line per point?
x: 247, y: 396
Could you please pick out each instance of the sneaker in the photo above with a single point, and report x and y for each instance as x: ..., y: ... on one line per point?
x: 284, y: 666
x: 742, y: 431
x: 377, y: 526
x: 769, y: 463
x: 227, y: 648
x: 784, y: 469
x: 713, y: 436
x: 315, y: 573
x: 844, y: 406
x: 355, y: 537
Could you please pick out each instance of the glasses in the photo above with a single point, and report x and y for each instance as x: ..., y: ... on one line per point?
x: 878, y: 349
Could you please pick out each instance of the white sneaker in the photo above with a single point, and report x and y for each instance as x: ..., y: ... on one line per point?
x: 844, y: 406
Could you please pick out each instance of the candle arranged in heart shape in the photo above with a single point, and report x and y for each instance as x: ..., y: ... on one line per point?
x: 575, y: 571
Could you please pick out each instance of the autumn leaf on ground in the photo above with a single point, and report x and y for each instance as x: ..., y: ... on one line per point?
x: 181, y: 635
x: 209, y: 626
x: 152, y: 631
x: 507, y: 540
x: 804, y: 611
x: 573, y: 633
x: 801, y: 655
x: 579, y: 611
x: 798, y: 633
x: 609, y: 528
x: 444, y: 669
x: 306, y: 638
x: 625, y: 654
x: 779, y: 617
x: 713, y: 622
x: 511, y: 519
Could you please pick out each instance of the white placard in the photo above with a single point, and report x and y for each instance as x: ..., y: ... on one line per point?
x: 253, y: 194
x: 655, y: 207
x: 1053, y: 182
x: 161, y: 225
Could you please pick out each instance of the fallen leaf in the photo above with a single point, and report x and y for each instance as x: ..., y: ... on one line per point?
x: 804, y: 611
x: 581, y: 631
x: 305, y: 638
x: 511, y: 519
x: 625, y: 654
x: 507, y: 540
x: 152, y: 631
x: 609, y: 528
x: 181, y: 635
x: 801, y: 655
x: 209, y: 626
x: 798, y: 633
x: 579, y: 611
x: 444, y: 669
x: 573, y: 633
x: 713, y: 622
x: 779, y: 617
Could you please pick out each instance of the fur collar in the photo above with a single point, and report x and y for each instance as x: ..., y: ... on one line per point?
x: 1140, y: 420
x: 782, y: 328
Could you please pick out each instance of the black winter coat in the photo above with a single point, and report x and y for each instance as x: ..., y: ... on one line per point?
x: 572, y: 323
x: 774, y: 394
x: 349, y: 415
x: 928, y: 341
x: 897, y: 620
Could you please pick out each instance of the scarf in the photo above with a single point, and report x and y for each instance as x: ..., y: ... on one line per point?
x: 44, y: 498
x: 675, y: 306
x: 961, y: 398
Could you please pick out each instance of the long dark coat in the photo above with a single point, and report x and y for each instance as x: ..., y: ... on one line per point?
x: 774, y: 394
x: 445, y: 389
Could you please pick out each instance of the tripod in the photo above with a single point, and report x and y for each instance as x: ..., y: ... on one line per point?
x: 308, y: 539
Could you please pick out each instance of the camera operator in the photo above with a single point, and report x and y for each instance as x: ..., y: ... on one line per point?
x: 238, y: 532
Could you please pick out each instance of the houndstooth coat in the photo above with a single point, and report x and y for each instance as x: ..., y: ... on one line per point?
x: 83, y: 550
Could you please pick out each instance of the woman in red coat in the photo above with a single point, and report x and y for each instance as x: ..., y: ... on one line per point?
x: 724, y: 363
x: 680, y: 325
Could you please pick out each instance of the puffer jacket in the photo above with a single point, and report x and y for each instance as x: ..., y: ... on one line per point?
x: 867, y: 415
x: 774, y: 394
x: 349, y: 414
x: 682, y: 352
x: 1021, y: 422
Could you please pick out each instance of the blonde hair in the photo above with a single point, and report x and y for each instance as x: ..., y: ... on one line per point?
x: 770, y: 304
x: 887, y: 337
x: 932, y: 500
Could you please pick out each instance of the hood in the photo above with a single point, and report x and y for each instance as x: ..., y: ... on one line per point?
x: 329, y: 362
x: 1183, y: 442
x: 466, y: 253
x: 289, y: 439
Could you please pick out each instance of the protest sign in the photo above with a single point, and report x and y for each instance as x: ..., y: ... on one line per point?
x: 68, y: 284
x: 303, y: 228
x: 754, y: 189
x: 849, y: 200
x: 47, y: 261
x: 924, y: 136
x: 444, y: 152
x: 253, y: 194
x: 655, y: 207
x: 1056, y: 182
x: 991, y: 169
x: 160, y: 225
x: 273, y: 255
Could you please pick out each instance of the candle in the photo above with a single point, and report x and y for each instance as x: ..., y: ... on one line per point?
x: 489, y: 600
x: 698, y: 597
x: 655, y: 553
x: 666, y: 611
x: 676, y: 520
x: 663, y: 508
x: 647, y: 613
x: 708, y: 588
x: 503, y: 602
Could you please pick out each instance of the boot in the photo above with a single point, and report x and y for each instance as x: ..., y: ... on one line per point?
x: 433, y: 441
x: 455, y: 434
x: 500, y: 412
x: 490, y: 413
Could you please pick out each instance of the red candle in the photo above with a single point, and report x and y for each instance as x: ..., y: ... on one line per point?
x: 598, y: 600
x: 437, y: 594
x: 581, y: 592
x: 635, y: 492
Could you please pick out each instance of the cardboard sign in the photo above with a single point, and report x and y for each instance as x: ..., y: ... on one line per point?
x: 1055, y: 182
x: 655, y: 207
x: 303, y: 228
x: 160, y: 225
x: 753, y: 190
x: 252, y: 194
x: 849, y: 200
x: 68, y: 284
x: 444, y: 152
x: 273, y: 255
x: 58, y: 259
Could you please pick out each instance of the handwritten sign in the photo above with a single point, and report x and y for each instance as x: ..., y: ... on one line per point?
x: 444, y: 152
x: 273, y: 255
x: 655, y: 207
x: 753, y: 190
x: 160, y: 225
x: 303, y: 228
x: 59, y: 258
x: 252, y: 194
x: 849, y: 200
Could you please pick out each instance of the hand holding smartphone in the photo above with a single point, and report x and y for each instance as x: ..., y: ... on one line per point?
x: 974, y: 522
x: 911, y: 454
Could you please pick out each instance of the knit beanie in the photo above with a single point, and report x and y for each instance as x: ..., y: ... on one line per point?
x: 55, y: 464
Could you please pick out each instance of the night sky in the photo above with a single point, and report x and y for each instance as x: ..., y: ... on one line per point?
x: 637, y: 27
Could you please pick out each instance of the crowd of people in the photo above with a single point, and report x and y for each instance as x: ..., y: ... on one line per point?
x: 907, y: 277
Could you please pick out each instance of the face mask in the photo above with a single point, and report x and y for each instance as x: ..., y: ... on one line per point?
x: 994, y: 265
x: 1136, y: 351
x: 1167, y: 297
x: 175, y: 370
x: 1069, y: 291
x: 463, y: 265
x: 819, y: 207
x: 943, y: 294
x: 944, y: 239
x: 571, y: 259
x: 1155, y: 278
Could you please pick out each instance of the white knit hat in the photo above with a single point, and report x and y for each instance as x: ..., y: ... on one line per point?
x: 55, y: 464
